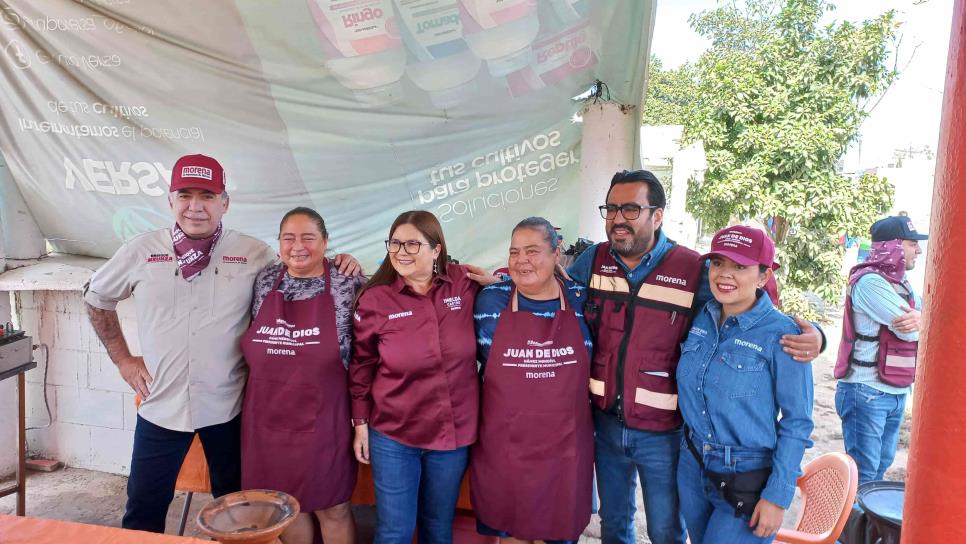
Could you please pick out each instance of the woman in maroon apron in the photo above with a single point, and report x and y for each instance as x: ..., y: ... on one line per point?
x: 531, y: 470
x: 296, y: 430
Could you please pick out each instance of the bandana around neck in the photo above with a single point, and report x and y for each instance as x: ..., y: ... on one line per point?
x: 885, y: 258
x: 193, y: 254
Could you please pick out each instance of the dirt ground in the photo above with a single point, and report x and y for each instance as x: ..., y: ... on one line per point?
x: 98, y: 498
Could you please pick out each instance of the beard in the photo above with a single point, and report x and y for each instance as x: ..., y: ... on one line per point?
x: 635, y: 246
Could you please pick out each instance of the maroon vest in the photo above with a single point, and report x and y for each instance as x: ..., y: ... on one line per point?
x: 896, y: 359
x: 637, y: 334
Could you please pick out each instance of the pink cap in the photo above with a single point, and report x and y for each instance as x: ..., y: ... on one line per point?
x: 744, y: 245
x: 198, y: 172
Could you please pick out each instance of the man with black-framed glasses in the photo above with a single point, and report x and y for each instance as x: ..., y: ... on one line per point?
x: 643, y: 289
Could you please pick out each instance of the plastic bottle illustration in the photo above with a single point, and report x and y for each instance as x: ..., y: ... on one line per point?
x: 570, y: 11
x: 362, y: 46
x: 440, y: 61
x: 500, y: 32
x: 566, y: 47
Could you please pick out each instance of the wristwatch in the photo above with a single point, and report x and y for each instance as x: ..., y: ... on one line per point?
x: 360, y: 421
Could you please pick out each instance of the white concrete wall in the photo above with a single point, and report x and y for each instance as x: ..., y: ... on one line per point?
x: 92, y: 407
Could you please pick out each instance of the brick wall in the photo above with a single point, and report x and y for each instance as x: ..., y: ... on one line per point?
x: 92, y: 407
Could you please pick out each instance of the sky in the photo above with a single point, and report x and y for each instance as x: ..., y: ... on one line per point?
x: 909, y: 113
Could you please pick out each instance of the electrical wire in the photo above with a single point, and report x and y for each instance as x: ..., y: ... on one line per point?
x: 599, y: 89
x: 50, y: 417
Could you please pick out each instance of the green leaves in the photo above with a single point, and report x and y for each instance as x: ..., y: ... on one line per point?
x: 776, y: 100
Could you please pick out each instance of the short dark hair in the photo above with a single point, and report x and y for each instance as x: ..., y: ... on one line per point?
x: 307, y: 212
x: 655, y: 191
x: 540, y: 224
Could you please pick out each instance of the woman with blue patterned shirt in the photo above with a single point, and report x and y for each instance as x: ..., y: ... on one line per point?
x: 531, y: 468
x: 738, y: 475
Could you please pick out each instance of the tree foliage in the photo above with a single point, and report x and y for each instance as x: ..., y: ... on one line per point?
x: 776, y: 100
x: 670, y: 94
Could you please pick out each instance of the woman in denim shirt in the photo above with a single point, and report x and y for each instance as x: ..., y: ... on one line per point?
x: 733, y: 382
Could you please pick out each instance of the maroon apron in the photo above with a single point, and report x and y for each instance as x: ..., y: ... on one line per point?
x: 532, y: 467
x: 296, y: 432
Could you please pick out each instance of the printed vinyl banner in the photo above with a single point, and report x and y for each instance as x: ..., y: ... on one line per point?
x: 361, y: 109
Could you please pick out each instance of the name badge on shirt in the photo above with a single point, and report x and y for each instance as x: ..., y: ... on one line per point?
x: 160, y: 258
x: 455, y: 304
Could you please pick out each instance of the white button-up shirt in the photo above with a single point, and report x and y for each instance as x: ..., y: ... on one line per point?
x: 189, y: 331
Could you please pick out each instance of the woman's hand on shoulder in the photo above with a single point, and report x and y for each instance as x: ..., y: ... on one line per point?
x: 347, y: 265
x: 480, y: 276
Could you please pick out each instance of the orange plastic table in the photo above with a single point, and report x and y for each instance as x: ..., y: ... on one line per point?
x: 23, y: 530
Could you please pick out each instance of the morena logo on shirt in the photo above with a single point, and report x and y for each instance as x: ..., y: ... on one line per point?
x: 746, y: 344
x: 407, y: 313
x: 237, y: 259
x: 671, y: 279
x: 608, y: 268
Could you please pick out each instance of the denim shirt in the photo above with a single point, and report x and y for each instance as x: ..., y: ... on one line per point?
x: 582, y: 268
x: 733, y: 382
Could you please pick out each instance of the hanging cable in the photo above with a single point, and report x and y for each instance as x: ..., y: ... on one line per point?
x: 50, y: 417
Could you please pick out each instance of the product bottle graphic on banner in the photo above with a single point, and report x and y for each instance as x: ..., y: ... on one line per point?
x: 440, y: 61
x: 363, y: 48
x: 565, y: 48
x: 570, y: 11
x: 500, y: 32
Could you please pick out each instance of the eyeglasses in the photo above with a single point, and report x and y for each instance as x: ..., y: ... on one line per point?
x: 412, y: 247
x: 628, y: 211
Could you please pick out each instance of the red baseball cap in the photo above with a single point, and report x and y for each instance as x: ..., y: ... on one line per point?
x: 744, y: 245
x: 198, y: 172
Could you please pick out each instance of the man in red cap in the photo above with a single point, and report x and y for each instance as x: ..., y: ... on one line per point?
x: 192, y: 288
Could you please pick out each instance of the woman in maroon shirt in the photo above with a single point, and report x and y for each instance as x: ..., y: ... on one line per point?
x: 413, y: 381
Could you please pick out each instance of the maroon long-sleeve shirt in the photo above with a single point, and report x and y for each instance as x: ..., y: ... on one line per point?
x: 413, y: 369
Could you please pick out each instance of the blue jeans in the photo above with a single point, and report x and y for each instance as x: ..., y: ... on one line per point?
x: 156, y: 461
x: 710, y: 519
x: 414, y: 484
x: 870, y: 426
x: 622, y: 454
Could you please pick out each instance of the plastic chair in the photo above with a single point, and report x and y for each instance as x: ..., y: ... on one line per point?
x: 193, y: 477
x: 828, y: 490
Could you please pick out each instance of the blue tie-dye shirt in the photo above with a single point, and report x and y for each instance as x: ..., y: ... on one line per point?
x: 493, y: 299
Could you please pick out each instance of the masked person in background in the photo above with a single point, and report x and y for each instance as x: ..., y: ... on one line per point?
x: 877, y: 356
